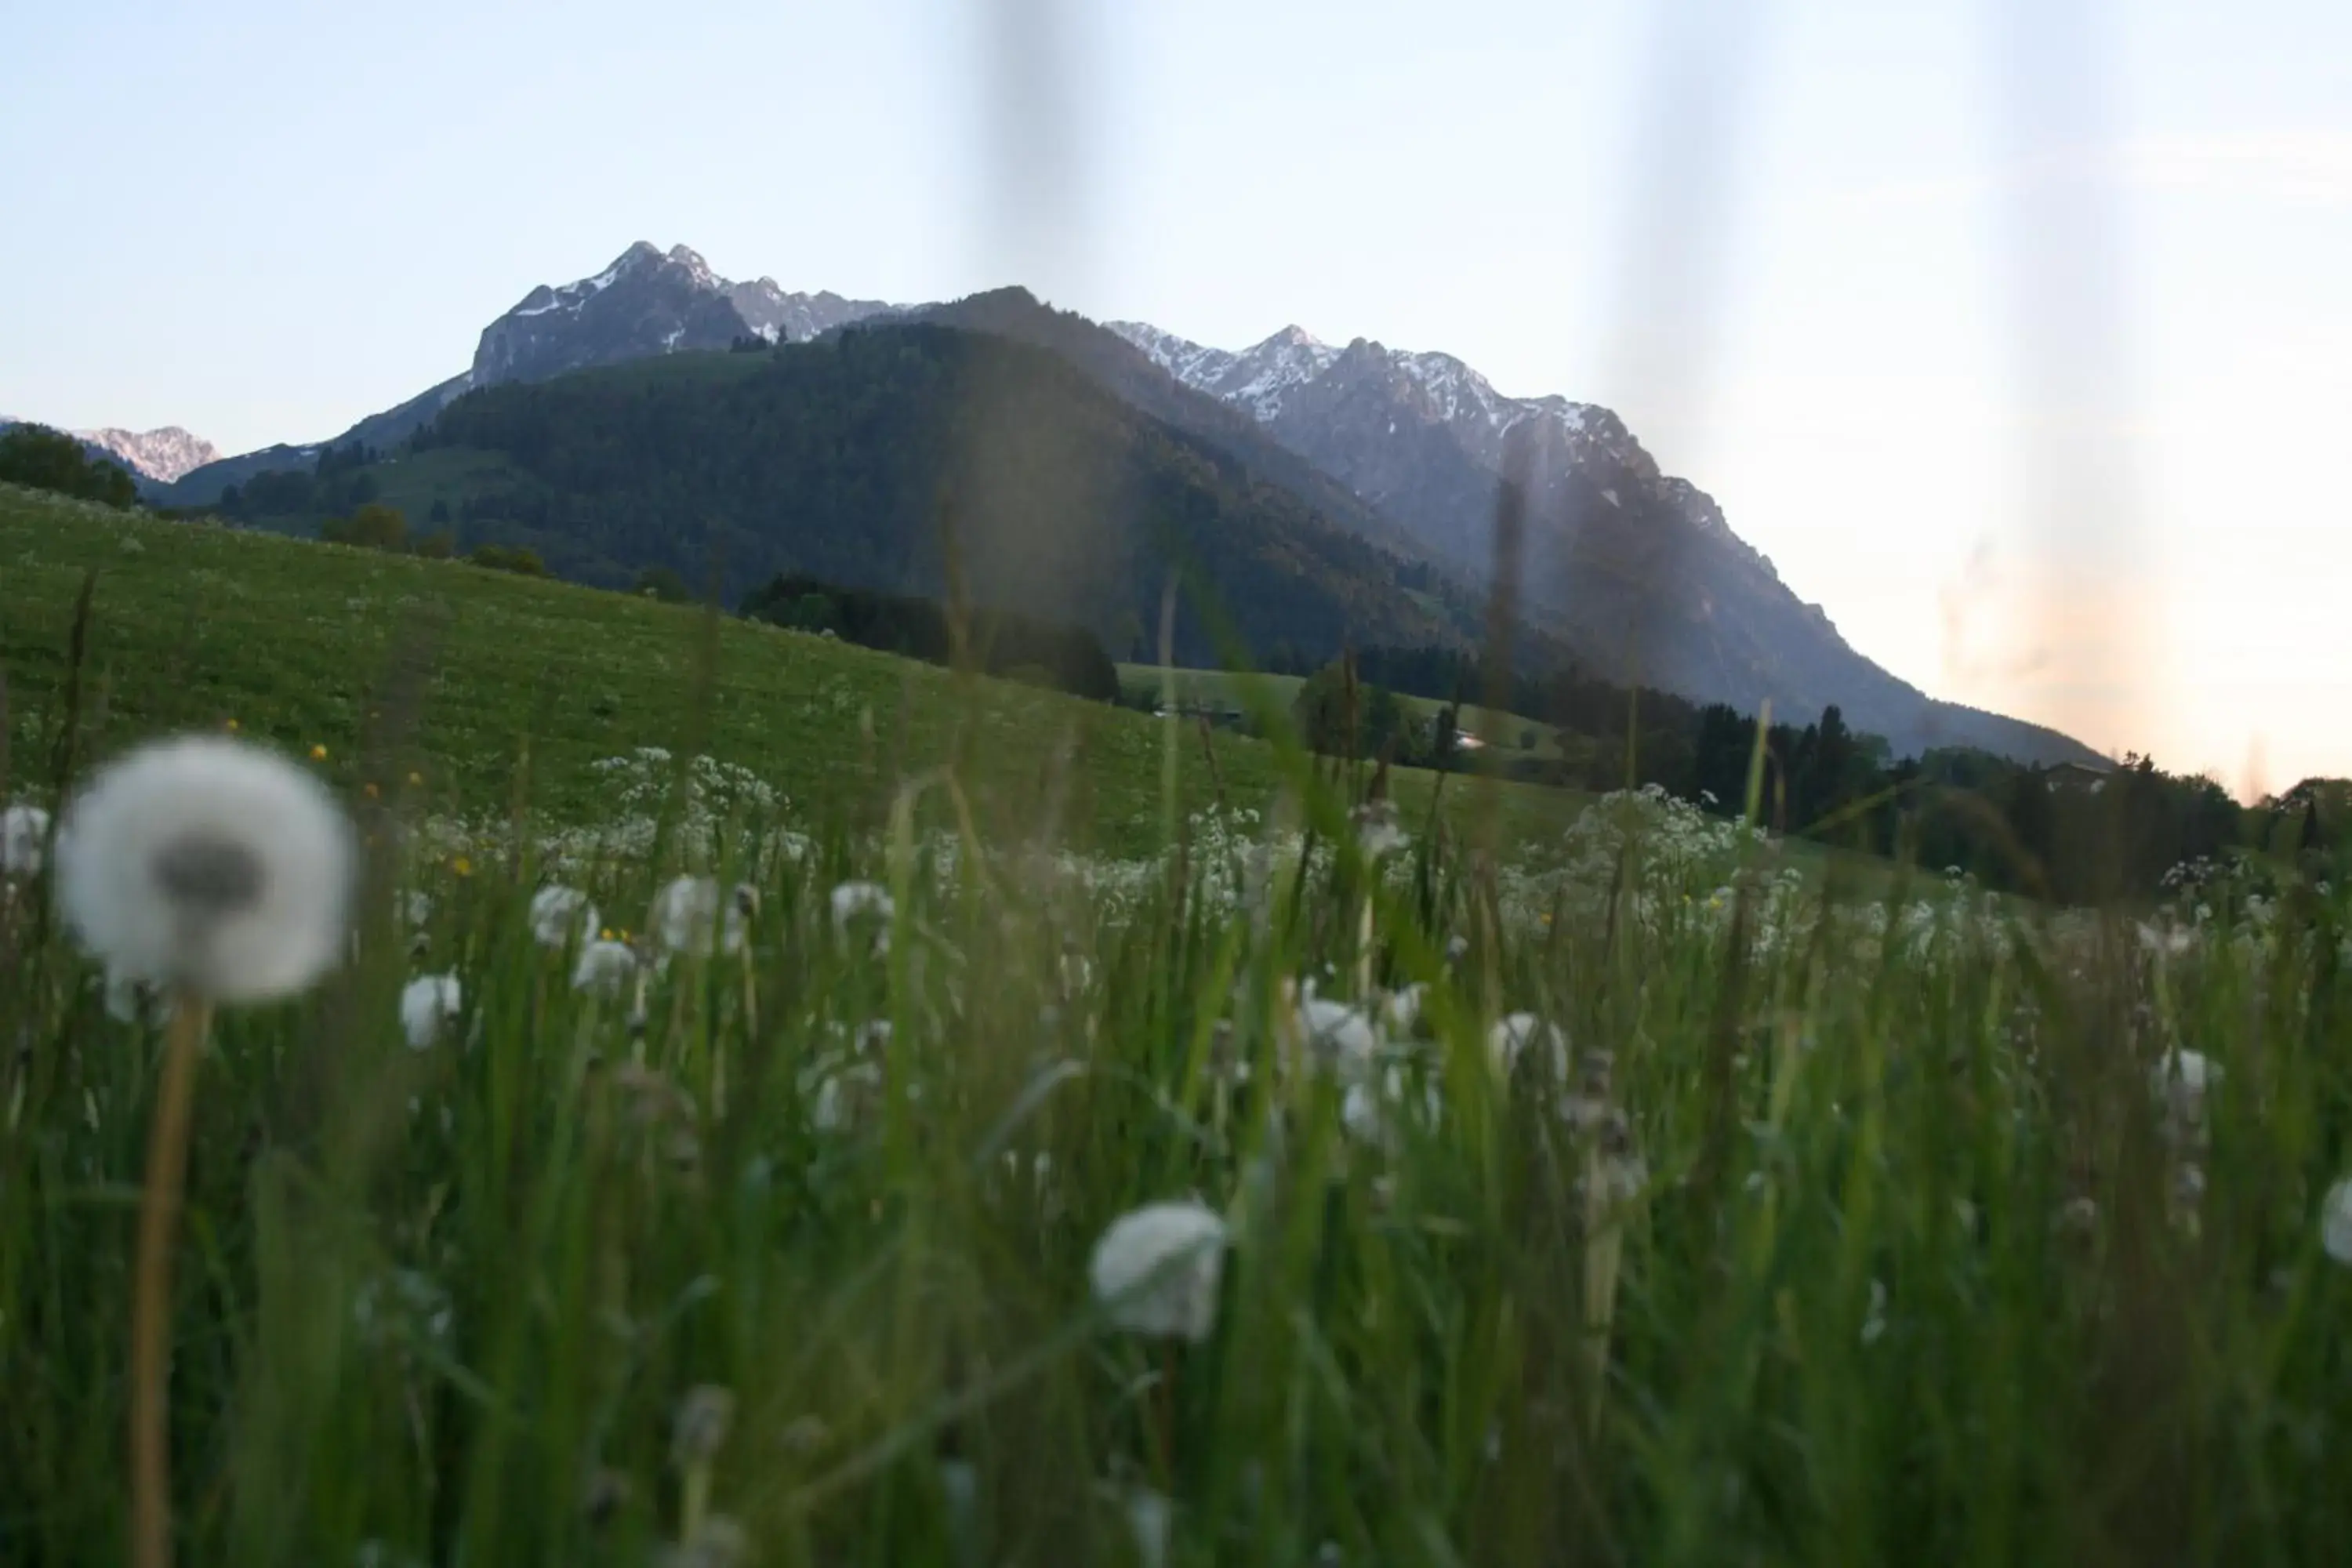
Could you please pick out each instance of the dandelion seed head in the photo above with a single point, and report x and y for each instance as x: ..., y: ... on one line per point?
x: 689, y: 916
x: 703, y: 1417
x: 1513, y: 1037
x: 1400, y: 1009
x: 207, y: 863
x: 857, y: 900
x: 558, y: 913
x: 605, y: 967
x: 1337, y: 1037
x: 1157, y: 1269
x: 426, y: 1003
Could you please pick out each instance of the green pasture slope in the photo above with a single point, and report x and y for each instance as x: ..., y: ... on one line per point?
x: 194, y: 626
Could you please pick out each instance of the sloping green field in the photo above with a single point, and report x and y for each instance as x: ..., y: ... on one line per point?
x: 464, y: 674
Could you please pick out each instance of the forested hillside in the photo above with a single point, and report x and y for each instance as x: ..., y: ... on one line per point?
x: 895, y: 458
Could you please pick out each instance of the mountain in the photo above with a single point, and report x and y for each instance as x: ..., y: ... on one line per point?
x: 160, y: 455
x: 1131, y: 375
x: 1636, y: 570
x: 647, y: 302
x: 1631, y: 572
x: 903, y: 456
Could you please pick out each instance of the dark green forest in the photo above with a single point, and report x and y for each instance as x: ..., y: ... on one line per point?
x: 41, y: 458
x: 996, y: 642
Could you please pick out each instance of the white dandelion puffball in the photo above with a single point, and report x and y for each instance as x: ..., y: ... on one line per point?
x: 24, y: 829
x: 1400, y: 1009
x: 690, y: 916
x: 426, y: 1003
x: 1157, y: 1269
x: 1512, y: 1038
x: 1337, y: 1036
x: 2336, y: 1222
x: 605, y: 967
x: 209, y: 864
x: 559, y: 913
x: 852, y: 900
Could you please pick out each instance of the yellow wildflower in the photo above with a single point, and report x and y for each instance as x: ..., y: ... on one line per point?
x: 318, y: 753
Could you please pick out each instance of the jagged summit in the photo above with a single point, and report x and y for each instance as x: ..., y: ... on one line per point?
x: 648, y: 302
x: 159, y: 456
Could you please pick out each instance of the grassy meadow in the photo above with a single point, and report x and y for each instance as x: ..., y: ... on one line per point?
x: 1599, y: 1184
x: 499, y: 693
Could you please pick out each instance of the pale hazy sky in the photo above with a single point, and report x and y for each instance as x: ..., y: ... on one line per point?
x: 2018, y: 334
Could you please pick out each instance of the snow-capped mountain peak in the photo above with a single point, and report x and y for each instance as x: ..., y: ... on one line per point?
x: 648, y: 302
x: 162, y: 455
x: 1263, y: 378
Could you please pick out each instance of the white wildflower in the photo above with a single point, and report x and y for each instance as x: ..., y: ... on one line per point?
x: 1874, y: 1324
x: 559, y: 913
x: 1157, y: 1269
x: 605, y: 967
x: 2336, y: 1222
x: 413, y: 908
x: 208, y: 864
x: 24, y: 831
x: 426, y: 1003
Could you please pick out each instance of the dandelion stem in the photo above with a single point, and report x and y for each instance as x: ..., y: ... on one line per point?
x: 159, y: 1214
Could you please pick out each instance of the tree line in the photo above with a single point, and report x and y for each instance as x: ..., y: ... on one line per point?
x: 2071, y: 833
x: 41, y: 458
